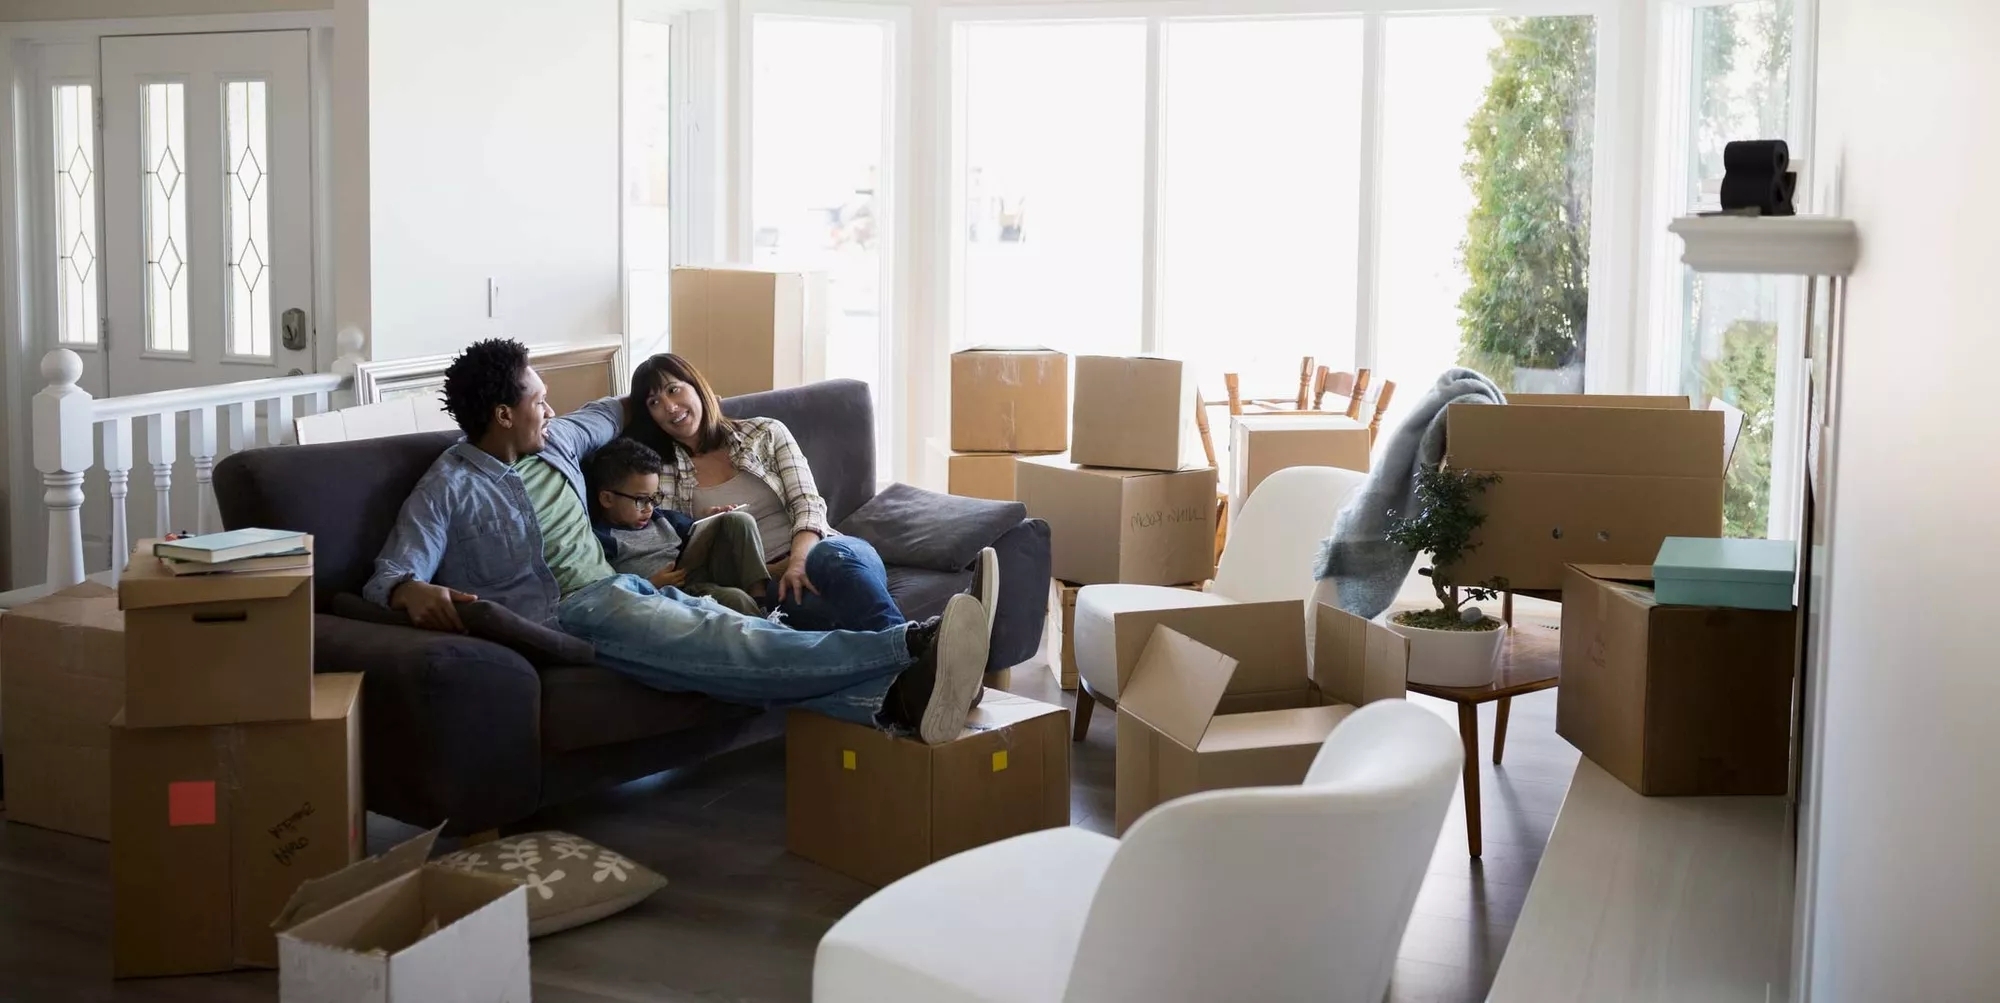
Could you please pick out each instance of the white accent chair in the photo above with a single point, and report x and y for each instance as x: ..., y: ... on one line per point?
x: 1269, y: 557
x: 1259, y: 893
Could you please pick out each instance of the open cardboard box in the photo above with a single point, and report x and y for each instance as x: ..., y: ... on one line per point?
x: 1585, y: 479
x: 393, y: 929
x: 1224, y: 696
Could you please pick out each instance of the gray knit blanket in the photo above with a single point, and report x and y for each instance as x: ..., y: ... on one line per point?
x: 1366, y: 567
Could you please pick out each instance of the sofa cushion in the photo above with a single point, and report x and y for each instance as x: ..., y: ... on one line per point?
x: 584, y: 706
x: 921, y: 593
x: 925, y: 529
x: 570, y: 880
x: 488, y: 621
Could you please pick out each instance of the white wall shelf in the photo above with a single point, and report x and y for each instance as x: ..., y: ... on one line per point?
x: 1769, y: 245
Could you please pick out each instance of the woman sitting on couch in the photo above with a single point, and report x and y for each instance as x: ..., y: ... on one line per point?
x: 820, y: 580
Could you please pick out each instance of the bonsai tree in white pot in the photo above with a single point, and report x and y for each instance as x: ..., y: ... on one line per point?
x: 1455, y: 644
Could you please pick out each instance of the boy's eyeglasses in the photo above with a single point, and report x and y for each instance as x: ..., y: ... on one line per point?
x: 649, y: 501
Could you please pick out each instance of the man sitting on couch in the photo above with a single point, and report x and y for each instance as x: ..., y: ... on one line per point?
x: 502, y: 516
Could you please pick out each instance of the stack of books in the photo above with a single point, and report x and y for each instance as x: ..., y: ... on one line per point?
x: 236, y: 550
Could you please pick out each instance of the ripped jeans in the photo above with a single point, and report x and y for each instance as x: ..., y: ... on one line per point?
x: 672, y: 641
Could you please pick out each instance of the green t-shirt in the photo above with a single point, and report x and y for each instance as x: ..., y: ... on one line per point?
x: 570, y: 548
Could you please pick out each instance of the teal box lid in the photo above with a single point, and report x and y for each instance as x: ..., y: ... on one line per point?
x: 1767, y: 562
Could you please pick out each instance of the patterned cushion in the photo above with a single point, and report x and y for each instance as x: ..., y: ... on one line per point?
x: 571, y: 880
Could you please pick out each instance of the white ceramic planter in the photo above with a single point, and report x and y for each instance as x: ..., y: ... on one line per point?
x: 1451, y: 657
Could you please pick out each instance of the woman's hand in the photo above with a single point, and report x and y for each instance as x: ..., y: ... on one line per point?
x: 671, y: 575
x: 720, y: 509
x: 793, y: 583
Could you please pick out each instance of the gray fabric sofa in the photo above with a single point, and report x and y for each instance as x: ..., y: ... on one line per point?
x: 464, y: 731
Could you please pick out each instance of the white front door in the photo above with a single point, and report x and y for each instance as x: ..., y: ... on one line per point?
x: 207, y: 222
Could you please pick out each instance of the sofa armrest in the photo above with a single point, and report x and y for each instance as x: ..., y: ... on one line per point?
x: 451, y: 725
x: 1024, y: 594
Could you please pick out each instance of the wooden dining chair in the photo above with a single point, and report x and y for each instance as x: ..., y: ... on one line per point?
x: 1382, y: 399
x: 1208, y: 449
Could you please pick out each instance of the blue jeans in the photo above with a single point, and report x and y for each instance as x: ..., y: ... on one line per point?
x: 672, y: 641
x: 853, y: 590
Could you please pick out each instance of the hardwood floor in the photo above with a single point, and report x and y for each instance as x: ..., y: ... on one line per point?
x: 739, y: 918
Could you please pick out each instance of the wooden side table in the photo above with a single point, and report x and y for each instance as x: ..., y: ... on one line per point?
x: 1530, y: 660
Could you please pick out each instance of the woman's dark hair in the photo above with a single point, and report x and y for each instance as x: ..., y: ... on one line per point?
x: 485, y: 376
x: 652, y: 377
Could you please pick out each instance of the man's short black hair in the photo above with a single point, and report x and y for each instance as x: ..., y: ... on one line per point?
x: 621, y: 458
x: 484, y: 376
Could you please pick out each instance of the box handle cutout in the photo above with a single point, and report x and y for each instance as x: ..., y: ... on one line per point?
x: 237, y: 616
x: 1604, y: 536
x: 1556, y: 533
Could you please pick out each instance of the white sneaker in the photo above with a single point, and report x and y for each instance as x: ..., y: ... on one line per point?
x: 986, y: 586
x: 959, y: 672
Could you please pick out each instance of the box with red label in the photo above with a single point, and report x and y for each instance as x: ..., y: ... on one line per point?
x: 213, y: 828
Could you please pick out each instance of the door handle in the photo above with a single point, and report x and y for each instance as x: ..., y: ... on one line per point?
x: 294, y: 323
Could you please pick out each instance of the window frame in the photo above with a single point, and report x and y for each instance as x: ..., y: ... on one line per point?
x: 65, y: 65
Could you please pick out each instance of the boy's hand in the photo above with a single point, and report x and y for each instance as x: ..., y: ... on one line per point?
x: 720, y: 509
x: 671, y: 575
x: 432, y: 607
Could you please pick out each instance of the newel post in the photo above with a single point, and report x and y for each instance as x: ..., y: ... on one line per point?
x: 63, y: 419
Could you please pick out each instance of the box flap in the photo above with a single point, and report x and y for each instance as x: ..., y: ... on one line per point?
x: 999, y: 709
x: 147, y: 583
x: 321, y: 894
x: 1357, y: 661
x: 1732, y: 428
x: 1723, y: 560
x: 81, y: 605
x: 1656, y: 401
x: 1266, y: 639
x: 1176, y: 686
x: 1637, y: 574
x: 1629, y: 441
x: 1272, y: 729
x: 1001, y: 347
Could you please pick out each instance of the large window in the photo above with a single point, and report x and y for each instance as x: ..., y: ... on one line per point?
x: 1739, y: 88
x: 1052, y: 165
x: 1484, y: 247
x: 649, y: 124
x: 1260, y: 197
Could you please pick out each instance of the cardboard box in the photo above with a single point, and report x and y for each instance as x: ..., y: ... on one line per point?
x: 1117, y: 525
x: 1062, y: 620
x: 747, y: 329
x: 213, y: 829
x: 1224, y: 696
x: 215, y: 649
x: 1585, y: 484
x: 1134, y: 412
x: 1006, y: 400
x: 62, y: 659
x: 1674, y: 700
x: 1263, y: 444
x: 393, y: 929
x: 876, y: 807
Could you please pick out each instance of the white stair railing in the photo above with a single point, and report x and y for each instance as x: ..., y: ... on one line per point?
x: 69, y: 425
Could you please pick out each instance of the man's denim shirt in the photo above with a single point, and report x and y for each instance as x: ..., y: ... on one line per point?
x: 468, y: 524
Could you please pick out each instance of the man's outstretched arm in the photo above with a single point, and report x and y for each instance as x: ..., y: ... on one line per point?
x: 415, y: 544
x: 582, y: 431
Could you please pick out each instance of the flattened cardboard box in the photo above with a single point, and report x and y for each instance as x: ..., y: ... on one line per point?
x: 1007, y: 400
x: 1135, y: 412
x: 215, y: 649
x: 1674, y: 700
x: 213, y: 829
x: 748, y: 329
x: 1583, y: 484
x: 62, y: 668
x: 394, y: 929
x: 876, y: 807
x: 1135, y: 526
x: 1224, y: 696
x: 1263, y: 444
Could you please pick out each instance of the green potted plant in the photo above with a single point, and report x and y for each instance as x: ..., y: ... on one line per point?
x: 1454, y: 644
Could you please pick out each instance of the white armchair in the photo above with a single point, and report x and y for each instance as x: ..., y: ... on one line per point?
x: 1269, y: 556
x: 1260, y: 893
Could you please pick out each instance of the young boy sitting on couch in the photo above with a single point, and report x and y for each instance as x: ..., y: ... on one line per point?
x: 720, y: 557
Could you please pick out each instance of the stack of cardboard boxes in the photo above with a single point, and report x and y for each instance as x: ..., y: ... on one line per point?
x: 1006, y: 403
x: 1134, y: 501
x: 235, y: 772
